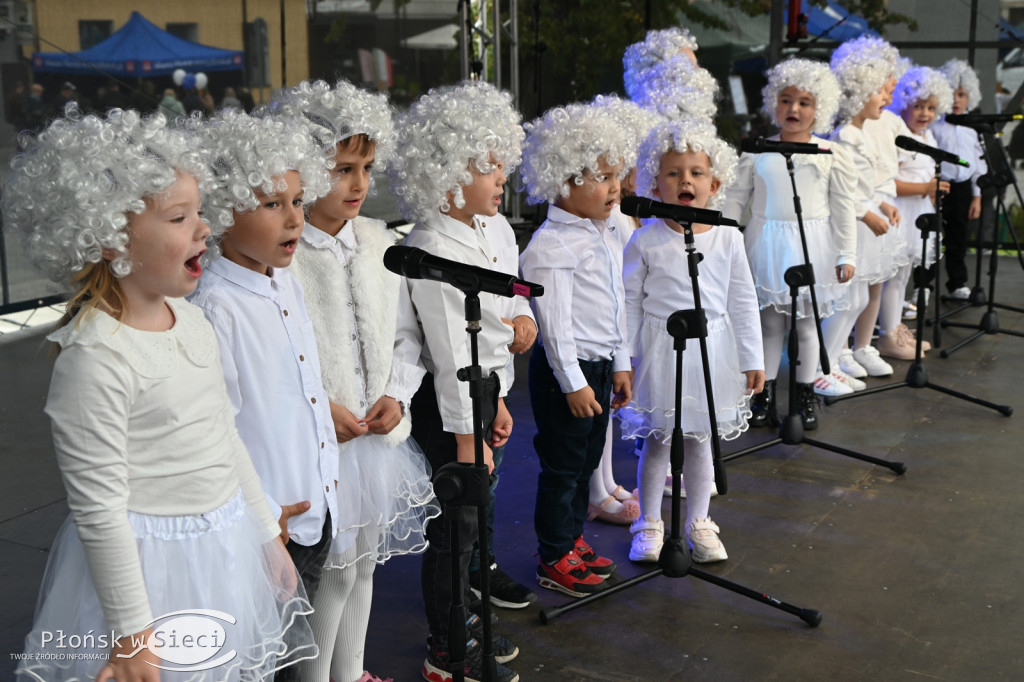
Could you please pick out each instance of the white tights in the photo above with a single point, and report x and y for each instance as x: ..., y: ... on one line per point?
x: 774, y: 326
x: 698, y: 475
x: 341, y: 614
x: 836, y: 328
x: 891, y: 312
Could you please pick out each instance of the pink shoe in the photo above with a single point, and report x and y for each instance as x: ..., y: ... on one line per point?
x: 370, y: 677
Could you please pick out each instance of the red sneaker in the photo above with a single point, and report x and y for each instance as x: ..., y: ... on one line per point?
x: 570, y: 576
x: 597, y: 564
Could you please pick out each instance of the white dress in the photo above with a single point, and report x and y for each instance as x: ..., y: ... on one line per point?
x: 352, y: 301
x: 916, y: 167
x: 826, y: 187
x: 657, y: 284
x: 167, y: 514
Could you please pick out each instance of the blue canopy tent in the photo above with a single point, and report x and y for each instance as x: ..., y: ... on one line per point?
x: 833, y: 22
x: 140, y: 49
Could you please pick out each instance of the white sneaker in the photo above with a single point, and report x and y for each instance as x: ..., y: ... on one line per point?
x: 705, y: 547
x: 869, y: 359
x: 831, y: 385
x: 850, y: 366
x: 909, y: 311
x: 648, y: 538
x: 682, y: 487
x: 853, y: 382
x: 960, y: 294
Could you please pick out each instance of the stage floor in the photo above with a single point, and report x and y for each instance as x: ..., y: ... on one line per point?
x: 915, y: 575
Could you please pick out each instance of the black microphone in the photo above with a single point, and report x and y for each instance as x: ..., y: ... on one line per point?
x: 414, y: 263
x: 975, y: 119
x: 912, y: 145
x: 640, y: 207
x: 759, y: 145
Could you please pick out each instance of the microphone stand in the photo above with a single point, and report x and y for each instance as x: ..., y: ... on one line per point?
x: 675, y: 560
x: 989, y: 323
x: 791, y: 431
x: 917, y: 375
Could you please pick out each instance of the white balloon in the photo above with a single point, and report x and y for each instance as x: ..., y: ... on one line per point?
x: 200, y: 80
x: 178, y: 76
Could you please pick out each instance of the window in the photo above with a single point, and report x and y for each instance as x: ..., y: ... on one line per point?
x: 188, y: 31
x: 93, y: 32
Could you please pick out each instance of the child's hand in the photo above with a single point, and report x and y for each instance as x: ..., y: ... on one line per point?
x: 943, y: 187
x: 384, y: 416
x: 346, y: 426
x: 844, y: 273
x: 875, y: 223
x: 582, y: 403
x: 975, y: 209
x: 526, y: 334
x: 282, y: 570
x: 466, y: 451
x: 288, y: 511
x: 138, y: 668
x: 755, y: 381
x: 622, y: 388
x: 502, y: 427
x: 891, y: 213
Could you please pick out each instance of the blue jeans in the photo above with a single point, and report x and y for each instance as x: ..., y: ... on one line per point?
x: 569, y: 449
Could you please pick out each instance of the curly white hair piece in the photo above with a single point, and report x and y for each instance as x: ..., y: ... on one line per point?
x: 922, y: 82
x: 569, y: 142
x: 685, y: 135
x: 677, y: 88
x: 249, y: 154
x: 867, y: 46
x: 336, y: 113
x: 811, y: 76
x: 632, y: 118
x: 73, y: 186
x: 657, y: 46
x: 960, y: 75
x: 860, y: 77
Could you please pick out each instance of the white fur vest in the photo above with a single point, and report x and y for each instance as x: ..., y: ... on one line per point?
x: 373, y: 291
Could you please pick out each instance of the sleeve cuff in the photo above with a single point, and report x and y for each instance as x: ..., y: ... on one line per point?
x: 620, y: 362
x: 571, y: 379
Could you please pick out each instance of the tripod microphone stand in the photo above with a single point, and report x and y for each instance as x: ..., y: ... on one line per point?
x: 989, y: 323
x: 917, y: 374
x: 675, y: 560
x: 791, y: 431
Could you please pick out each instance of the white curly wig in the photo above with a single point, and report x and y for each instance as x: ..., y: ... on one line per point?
x: 338, y: 112
x: 632, y: 118
x: 567, y: 143
x: 441, y: 134
x: 676, y: 88
x: 959, y: 74
x: 866, y: 45
x: 860, y: 77
x: 922, y: 82
x: 250, y: 154
x: 71, y: 189
x: 657, y: 46
x: 804, y: 74
x: 685, y: 135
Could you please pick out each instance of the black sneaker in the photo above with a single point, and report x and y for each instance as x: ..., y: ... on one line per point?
x: 435, y: 666
x: 504, y: 648
x: 505, y: 591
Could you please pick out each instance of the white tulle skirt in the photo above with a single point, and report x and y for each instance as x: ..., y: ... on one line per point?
x: 212, y: 562
x: 387, y: 492
x: 773, y: 246
x: 880, y: 256
x: 651, y: 414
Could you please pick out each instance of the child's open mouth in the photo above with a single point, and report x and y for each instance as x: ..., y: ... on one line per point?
x: 289, y: 246
x: 686, y: 198
x: 193, y: 266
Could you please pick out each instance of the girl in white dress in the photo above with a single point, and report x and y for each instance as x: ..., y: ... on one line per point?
x: 802, y: 98
x: 683, y: 162
x: 922, y: 95
x: 170, y: 566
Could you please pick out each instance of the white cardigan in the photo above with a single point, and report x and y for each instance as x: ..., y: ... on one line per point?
x: 329, y: 286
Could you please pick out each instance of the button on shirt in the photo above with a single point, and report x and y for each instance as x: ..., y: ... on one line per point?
x: 272, y: 370
x: 440, y: 315
x: 581, y: 315
x: 963, y: 142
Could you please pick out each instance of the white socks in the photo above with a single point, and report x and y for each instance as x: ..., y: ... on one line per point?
x: 774, y: 326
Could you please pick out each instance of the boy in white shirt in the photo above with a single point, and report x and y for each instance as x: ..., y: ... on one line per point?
x: 267, y: 348
x: 456, y: 143
x: 574, y: 158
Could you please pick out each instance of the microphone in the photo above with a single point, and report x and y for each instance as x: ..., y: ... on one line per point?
x: 640, y: 207
x: 759, y: 145
x: 976, y: 119
x: 912, y: 145
x: 408, y: 261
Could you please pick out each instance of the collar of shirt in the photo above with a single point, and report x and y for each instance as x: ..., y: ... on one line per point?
x: 560, y: 215
x: 341, y: 244
x: 456, y: 229
x: 262, y: 285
